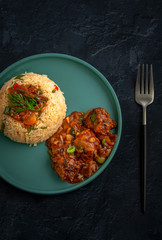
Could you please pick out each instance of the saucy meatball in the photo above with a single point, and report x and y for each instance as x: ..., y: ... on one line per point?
x: 67, y: 167
x: 99, y: 121
x: 72, y: 124
x: 81, y: 144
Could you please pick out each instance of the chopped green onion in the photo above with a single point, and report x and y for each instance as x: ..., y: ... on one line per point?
x: 6, y: 110
x: 93, y: 117
x: 72, y: 132
x: 71, y: 149
x: 31, y: 128
x: 103, y: 141
x: 100, y: 160
x: 2, y: 128
x: 80, y: 149
x: 81, y: 119
x: 19, y: 76
x: 45, y: 127
x: 54, y: 90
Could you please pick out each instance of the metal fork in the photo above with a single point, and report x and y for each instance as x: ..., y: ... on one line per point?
x: 144, y: 95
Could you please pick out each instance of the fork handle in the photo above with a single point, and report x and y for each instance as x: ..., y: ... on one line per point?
x: 143, y: 169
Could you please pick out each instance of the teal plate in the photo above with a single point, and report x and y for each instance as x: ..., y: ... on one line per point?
x: 84, y: 88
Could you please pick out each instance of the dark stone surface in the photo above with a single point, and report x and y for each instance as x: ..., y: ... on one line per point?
x: 113, y: 36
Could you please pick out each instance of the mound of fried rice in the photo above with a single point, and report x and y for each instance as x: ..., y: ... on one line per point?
x: 52, y: 116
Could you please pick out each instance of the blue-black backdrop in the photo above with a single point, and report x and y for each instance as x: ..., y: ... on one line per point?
x: 114, y: 36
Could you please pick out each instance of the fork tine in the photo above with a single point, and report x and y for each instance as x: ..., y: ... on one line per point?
x: 142, y: 84
x: 137, y: 89
x: 146, y: 83
x: 151, y: 82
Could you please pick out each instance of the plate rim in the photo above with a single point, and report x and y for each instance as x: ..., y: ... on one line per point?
x: 76, y: 186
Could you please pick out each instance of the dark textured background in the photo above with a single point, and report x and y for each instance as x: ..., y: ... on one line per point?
x: 113, y: 36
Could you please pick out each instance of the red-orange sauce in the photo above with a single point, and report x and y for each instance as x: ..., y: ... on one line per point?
x: 27, y: 117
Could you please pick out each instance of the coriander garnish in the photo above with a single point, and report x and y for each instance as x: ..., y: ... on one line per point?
x: 23, y: 103
x: 39, y: 115
x: 21, y: 90
x: 54, y: 90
